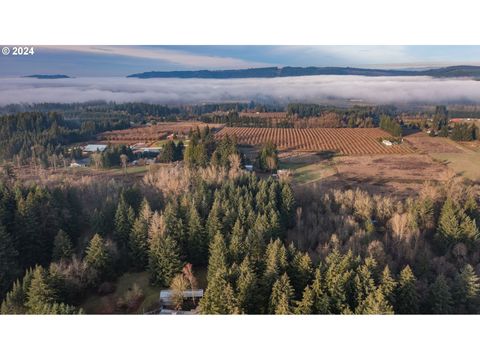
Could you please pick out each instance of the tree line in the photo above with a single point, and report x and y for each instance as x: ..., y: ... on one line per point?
x: 36, y: 136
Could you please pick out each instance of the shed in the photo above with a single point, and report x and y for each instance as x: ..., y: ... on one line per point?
x: 387, y: 142
x: 249, y: 168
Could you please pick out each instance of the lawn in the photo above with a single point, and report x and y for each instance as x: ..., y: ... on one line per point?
x: 96, y: 304
x: 305, y: 173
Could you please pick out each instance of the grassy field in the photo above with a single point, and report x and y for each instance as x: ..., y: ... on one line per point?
x: 305, y: 173
x: 131, y: 170
x: 96, y: 304
x: 466, y: 164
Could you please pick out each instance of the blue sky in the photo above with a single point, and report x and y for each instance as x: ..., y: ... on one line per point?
x: 83, y: 61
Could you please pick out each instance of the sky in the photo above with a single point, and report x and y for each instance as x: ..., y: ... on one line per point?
x: 101, y: 61
x: 99, y: 73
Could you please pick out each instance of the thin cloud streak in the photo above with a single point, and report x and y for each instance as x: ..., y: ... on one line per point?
x: 318, y: 89
x: 177, y: 57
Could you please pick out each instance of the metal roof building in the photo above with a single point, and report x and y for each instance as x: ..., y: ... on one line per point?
x: 94, y: 147
x: 166, y: 295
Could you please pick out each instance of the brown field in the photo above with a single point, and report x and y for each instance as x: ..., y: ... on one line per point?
x: 345, y: 141
x: 153, y: 132
x: 398, y: 176
x: 264, y: 115
x: 461, y: 157
x: 428, y: 144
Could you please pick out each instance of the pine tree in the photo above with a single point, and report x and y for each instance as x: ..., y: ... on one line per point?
x: 247, y: 288
x: 306, y: 305
x: 124, y: 218
x: 98, y: 257
x: 301, y: 271
x: 14, y: 302
x: 440, y: 298
x: 219, y: 298
x: 9, y: 267
x: 406, y: 299
x: 282, y: 296
x: 466, y: 289
x: 448, y: 231
x: 138, y: 241
x: 469, y: 230
x: 275, y: 263
x: 197, y: 246
x: 60, y: 309
x: 287, y: 209
x: 338, y: 276
x: 388, y: 284
x: 217, y: 261
x: 237, y: 246
x: 62, y: 246
x: 364, y: 283
x: 213, y: 225
x: 375, y: 304
x: 164, y: 260
x: 320, y: 299
x: 174, y: 225
x: 39, y: 293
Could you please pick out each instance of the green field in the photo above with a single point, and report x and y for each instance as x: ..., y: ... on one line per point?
x: 305, y: 173
x: 131, y: 170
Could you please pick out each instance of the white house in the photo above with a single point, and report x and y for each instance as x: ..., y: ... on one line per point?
x: 76, y: 165
x: 387, y: 142
x: 94, y: 147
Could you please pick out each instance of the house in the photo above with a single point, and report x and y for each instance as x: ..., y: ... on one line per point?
x: 80, y: 163
x: 75, y: 164
x: 171, y: 136
x: 456, y: 120
x: 249, y: 168
x: 166, y: 296
x: 94, y: 148
x: 387, y: 142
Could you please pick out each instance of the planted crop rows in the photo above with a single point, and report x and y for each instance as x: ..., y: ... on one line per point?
x: 347, y: 141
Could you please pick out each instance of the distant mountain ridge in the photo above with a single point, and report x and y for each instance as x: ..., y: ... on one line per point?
x: 273, y: 72
x: 40, y: 76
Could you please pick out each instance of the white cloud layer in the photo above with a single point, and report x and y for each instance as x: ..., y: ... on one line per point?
x: 382, y: 90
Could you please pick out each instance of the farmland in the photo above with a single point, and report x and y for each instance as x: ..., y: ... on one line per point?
x: 345, y: 141
x: 153, y: 132
x: 461, y: 157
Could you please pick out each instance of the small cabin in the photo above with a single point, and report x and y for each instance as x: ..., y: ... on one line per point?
x: 387, y: 142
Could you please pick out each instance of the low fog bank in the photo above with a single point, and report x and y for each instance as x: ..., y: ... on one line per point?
x: 315, y: 89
